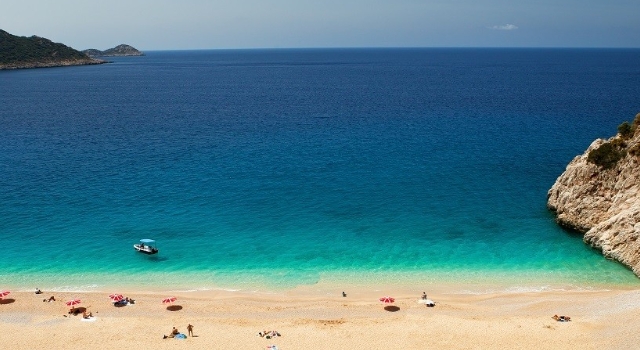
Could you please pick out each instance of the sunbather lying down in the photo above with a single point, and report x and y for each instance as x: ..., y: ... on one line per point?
x: 269, y: 334
x: 561, y: 318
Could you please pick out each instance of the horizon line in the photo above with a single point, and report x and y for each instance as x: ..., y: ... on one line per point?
x: 405, y: 48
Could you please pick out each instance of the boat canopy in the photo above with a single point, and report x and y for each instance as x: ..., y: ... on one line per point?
x: 147, y: 241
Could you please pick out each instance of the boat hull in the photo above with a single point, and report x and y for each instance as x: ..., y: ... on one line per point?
x: 145, y: 250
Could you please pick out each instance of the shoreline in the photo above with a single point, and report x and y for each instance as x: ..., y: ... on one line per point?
x: 329, y: 289
x: 271, y: 282
x: 52, y: 64
x: 604, y: 319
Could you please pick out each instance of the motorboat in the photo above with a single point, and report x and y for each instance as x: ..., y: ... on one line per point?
x: 146, y: 246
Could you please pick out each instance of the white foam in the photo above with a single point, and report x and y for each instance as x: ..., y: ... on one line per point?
x: 75, y: 289
x: 203, y: 289
x: 529, y: 289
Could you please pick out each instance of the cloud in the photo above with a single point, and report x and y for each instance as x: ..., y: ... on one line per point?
x: 505, y: 27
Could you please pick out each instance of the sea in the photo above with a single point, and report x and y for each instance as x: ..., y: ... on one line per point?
x: 274, y: 169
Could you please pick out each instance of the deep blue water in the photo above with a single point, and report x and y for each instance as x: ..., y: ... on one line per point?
x: 289, y: 167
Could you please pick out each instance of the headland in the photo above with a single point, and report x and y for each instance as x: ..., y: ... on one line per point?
x: 598, y: 195
x: 18, y: 52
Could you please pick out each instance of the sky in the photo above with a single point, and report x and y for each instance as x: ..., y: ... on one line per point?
x: 231, y: 24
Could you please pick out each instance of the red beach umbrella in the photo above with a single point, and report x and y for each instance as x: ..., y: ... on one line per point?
x: 116, y: 297
x: 169, y: 300
x: 4, y: 294
x: 387, y: 300
x: 73, y: 302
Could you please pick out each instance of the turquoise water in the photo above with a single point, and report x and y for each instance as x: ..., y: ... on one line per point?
x: 280, y: 168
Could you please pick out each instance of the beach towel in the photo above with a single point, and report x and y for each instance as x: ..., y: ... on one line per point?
x: 180, y: 336
x: 427, y: 302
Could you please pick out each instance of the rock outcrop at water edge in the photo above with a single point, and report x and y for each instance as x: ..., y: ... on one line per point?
x: 599, y: 195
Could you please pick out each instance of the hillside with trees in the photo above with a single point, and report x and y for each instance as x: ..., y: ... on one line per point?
x: 18, y: 52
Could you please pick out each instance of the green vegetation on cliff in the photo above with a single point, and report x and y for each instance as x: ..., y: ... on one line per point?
x: 609, y: 153
x: 34, y: 51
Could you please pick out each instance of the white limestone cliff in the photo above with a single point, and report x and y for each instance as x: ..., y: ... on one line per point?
x: 604, y: 204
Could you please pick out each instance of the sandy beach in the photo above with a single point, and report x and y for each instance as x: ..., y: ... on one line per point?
x: 307, y: 319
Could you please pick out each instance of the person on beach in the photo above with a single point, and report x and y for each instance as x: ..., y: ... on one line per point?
x: 86, y: 315
x: 561, y: 318
x: 52, y: 298
x: 344, y: 294
x: 424, y: 295
x: 38, y: 291
x: 190, y: 330
x: 173, y: 333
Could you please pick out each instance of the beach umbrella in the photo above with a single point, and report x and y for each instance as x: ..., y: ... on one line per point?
x: 4, y: 294
x: 116, y: 297
x: 169, y: 300
x: 387, y: 300
x: 73, y: 302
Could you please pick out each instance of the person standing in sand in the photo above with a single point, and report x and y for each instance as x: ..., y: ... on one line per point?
x: 190, y: 330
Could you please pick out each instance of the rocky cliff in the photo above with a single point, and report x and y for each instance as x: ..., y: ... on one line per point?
x: 599, y: 195
x: 120, y: 50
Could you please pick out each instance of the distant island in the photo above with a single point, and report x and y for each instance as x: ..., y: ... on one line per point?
x: 19, y: 52
x: 120, y: 50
